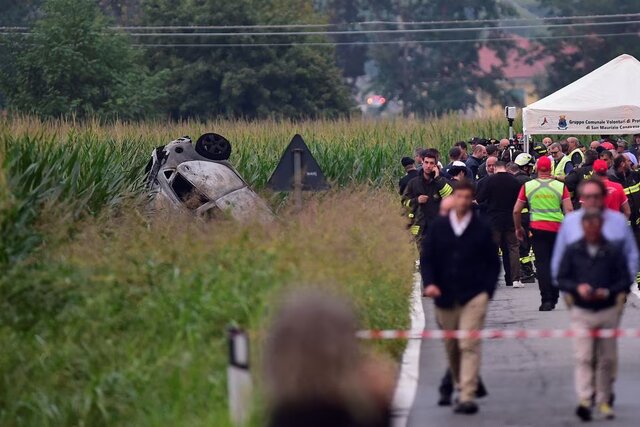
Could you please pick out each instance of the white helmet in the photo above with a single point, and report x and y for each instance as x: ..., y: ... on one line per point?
x: 524, y: 159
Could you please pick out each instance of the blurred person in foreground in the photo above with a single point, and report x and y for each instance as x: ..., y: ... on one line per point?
x: 595, y: 277
x: 410, y: 170
x: 546, y: 199
x: 592, y: 194
x: 461, y: 295
x: 315, y: 373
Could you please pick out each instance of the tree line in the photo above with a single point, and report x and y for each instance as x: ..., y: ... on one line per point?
x: 72, y: 61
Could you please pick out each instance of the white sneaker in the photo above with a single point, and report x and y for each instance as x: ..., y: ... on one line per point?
x: 518, y: 284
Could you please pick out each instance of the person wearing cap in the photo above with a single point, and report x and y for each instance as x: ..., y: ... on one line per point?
x: 547, y: 199
x: 423, y: 195
x: 457, y: 170
x: 616, y: 198
x: 573, y: 180
x: 522, y: 168
x: 562, y: 165
x: 594, y: 277
x: 576, y: 155
x: 475, y: 160
x: 607, y: 145
x: 456, y: 155
x: 410, y: 170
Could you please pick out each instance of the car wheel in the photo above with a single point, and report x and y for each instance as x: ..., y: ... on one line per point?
x: 213, y: 146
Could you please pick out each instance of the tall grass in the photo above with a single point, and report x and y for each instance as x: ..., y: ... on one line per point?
x: 123, y: 324
x: 111, y: 318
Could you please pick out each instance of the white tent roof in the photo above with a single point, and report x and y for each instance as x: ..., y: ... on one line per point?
x: 605, y: 101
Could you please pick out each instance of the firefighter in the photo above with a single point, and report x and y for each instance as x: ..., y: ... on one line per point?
x: 423, y: 196
x: 522, y: 169
x: 624, y: 175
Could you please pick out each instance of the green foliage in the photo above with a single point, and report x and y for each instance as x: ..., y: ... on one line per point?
x: 72, y: 64
x: 251, y: 82
x: 441, y: 77
x: 575, y: 57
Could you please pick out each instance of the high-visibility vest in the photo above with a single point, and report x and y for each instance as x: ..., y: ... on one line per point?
x: 545, y: 199
x: 579, y: 151
x: 558, y: 170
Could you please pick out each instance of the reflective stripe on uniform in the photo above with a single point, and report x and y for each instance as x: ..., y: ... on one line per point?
x: 445, y: 191
x: 579, y: 151
x: 632, y: 189
x: 415, y: 229
x: 526, y: 260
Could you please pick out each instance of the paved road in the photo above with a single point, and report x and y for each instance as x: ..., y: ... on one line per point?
x: 530, y: 382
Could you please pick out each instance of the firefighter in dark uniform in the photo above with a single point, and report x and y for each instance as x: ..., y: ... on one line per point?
x: 423, y: 196
x: 630, y: 181
x: 576, y: 176
x: 525, y: 163
x: 539, y: 150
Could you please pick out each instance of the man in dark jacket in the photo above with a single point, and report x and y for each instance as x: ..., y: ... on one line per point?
x: 423, y: 196
x: 475, y: 160
x: 500, y: 194
x: 461, y: 295
x: 630, y: 181
x: 584, y: 172
x: 595, y: 276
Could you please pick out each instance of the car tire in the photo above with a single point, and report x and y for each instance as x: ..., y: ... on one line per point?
x: 213, y: 146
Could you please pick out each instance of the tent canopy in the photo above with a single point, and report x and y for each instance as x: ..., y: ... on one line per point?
x: 604, y: 102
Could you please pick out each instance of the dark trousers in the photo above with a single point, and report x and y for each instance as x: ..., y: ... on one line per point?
x: 509, y: 245
x: 542, y: 242
x: 525, y: 244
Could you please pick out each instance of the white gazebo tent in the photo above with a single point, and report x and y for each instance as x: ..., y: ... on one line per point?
x: 604, y: 102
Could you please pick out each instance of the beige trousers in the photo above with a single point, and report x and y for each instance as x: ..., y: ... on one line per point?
x: 464, y: 354
x: 596, y: 358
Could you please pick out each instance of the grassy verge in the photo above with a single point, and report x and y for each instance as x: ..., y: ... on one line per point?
x: 123, y: 324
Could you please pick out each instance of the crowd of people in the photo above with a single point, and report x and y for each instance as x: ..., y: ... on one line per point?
x: 573, y: 211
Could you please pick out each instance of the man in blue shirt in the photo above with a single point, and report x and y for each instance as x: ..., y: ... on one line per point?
x: 615, y: 229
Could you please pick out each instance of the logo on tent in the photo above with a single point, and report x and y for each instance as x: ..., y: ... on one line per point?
x: 562, y: 123
x: 544, y: 122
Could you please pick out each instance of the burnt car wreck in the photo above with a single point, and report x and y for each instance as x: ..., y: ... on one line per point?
x: 198, y: 178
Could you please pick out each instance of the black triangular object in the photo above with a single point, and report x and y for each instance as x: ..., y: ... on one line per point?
x: 312, y: 177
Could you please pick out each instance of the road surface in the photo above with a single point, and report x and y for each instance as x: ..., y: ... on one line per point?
x: 530, y: 382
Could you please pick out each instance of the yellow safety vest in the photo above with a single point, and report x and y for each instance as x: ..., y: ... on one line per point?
x: 579, y: 151
x: 558, y: 170
x: 545, y: 199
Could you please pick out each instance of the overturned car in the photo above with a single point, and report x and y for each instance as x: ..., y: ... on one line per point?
x: 198, y: 178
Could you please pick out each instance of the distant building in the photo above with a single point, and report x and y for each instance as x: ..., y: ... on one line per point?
x: 521, y: 78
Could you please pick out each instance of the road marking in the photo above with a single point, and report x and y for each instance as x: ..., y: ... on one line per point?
x: 407, y: 387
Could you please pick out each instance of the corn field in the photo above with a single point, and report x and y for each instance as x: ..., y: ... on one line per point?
x: 111, y: 318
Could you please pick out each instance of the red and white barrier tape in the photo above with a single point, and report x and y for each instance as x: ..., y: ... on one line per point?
x: 487, y: 334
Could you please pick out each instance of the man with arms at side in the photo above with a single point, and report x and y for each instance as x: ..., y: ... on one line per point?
x: 595, y: 278
x: 547, y: 198
x: 461, y: 295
